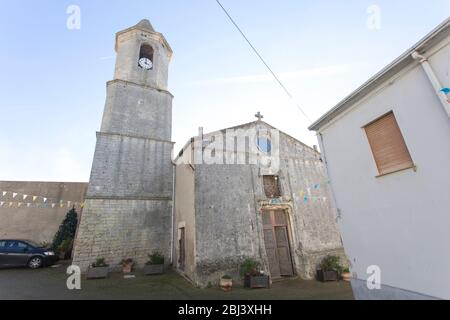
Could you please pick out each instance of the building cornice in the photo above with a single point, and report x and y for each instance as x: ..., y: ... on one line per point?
x: 434, y: 37
x: 138, y: 85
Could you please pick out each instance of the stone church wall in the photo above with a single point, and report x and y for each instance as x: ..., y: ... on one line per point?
x: 185, y: 218
x: 226, y: 220
x: 121, y: 229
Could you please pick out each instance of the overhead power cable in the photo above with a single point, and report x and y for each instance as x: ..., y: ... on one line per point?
x: 264, y: 61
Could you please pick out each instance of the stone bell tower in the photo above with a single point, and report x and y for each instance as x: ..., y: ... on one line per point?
x: 128, y: 207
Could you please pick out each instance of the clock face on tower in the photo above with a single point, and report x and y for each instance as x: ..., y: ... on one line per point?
x: 145, y: 63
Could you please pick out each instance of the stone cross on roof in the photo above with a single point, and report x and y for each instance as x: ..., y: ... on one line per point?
x: 259, y: 116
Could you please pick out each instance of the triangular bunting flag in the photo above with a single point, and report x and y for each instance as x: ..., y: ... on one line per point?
x: 53, y: 205
x: 28, y: 205
x: 25, y: 196
x: 19, y: 204
x: 34, y: 198
x: 45, y: 199
x: 14, y: 194
x: 10, y: 204
x: 4, y: 193
x: 1, y: 203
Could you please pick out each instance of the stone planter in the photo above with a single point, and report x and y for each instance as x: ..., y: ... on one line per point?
x: 97, y: 273
x: 327, y: 275
x: 226, y: 284
x: 152, y: 269
x: 254, y: 282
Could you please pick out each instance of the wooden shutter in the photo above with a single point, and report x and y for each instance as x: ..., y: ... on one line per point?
x: 388, y: 146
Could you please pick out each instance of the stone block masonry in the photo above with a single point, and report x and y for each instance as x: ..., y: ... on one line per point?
x: 120, y: 229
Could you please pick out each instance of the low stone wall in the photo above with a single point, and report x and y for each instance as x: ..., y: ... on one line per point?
x: 36, y: 219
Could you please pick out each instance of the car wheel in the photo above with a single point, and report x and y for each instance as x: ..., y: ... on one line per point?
x: 35, y: 263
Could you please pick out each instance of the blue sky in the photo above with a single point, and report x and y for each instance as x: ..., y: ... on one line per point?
x: 52, y: 84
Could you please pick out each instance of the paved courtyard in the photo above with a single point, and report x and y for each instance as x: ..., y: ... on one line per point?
x: 50, y: 283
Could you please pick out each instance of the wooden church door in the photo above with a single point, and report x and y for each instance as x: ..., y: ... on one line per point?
x: 277, y: 244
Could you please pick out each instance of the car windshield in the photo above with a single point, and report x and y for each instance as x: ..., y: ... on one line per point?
x: 33, y: 244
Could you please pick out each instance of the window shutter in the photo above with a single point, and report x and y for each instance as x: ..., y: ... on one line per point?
x: 388, y: 146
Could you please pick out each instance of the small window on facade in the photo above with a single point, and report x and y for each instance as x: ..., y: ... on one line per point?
x: 271, y: 186
x: 388, y: 146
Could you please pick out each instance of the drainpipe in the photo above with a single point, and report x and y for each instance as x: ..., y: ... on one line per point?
x: 434, y: 80
x: 327, y: 170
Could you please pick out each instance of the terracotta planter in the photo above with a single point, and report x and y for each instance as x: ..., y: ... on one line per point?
x: 254, y: 282
x: 226, y: 284
x: 346, y: 276
x: 127, y: 267
x: 151, y: 269
x: 97, y: 273
x: 327, y: 275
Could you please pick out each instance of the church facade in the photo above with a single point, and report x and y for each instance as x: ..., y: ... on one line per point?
x: 254, y: 192
x: 245, y: 192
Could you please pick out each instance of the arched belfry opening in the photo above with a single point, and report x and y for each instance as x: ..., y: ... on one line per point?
x: 146, y: 52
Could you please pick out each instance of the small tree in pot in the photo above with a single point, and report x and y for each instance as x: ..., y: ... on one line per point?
x: 98, y: 270
x: 155, y: 264
x: 65, y: 248
x: 330, y: 269
x: 254, y: 277
x: 66, y: 230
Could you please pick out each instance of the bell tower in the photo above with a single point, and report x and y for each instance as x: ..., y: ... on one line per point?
x: 128, y: 207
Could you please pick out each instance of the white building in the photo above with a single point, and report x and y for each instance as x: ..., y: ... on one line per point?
x: 387, y: 150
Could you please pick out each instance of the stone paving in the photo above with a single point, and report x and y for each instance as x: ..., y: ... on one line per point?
x: 50, y: 283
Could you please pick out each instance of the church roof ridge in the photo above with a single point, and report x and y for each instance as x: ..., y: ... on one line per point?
x: 146, y: 25
x: 188, y: 143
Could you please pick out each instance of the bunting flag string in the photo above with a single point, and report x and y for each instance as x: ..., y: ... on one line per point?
x: 46, y: 202
x: 307, y: 193
x: 19, y: 204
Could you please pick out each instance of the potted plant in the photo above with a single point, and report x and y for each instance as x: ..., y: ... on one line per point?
x: 254, y: 277
x: 64, y: 248
x: 155, y: 264
x: 127, y: 265
x: 329, y: 269
x: 44, y: 244
x: 346, y: 275
x: 98, y: 270
x: 226, y: 283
